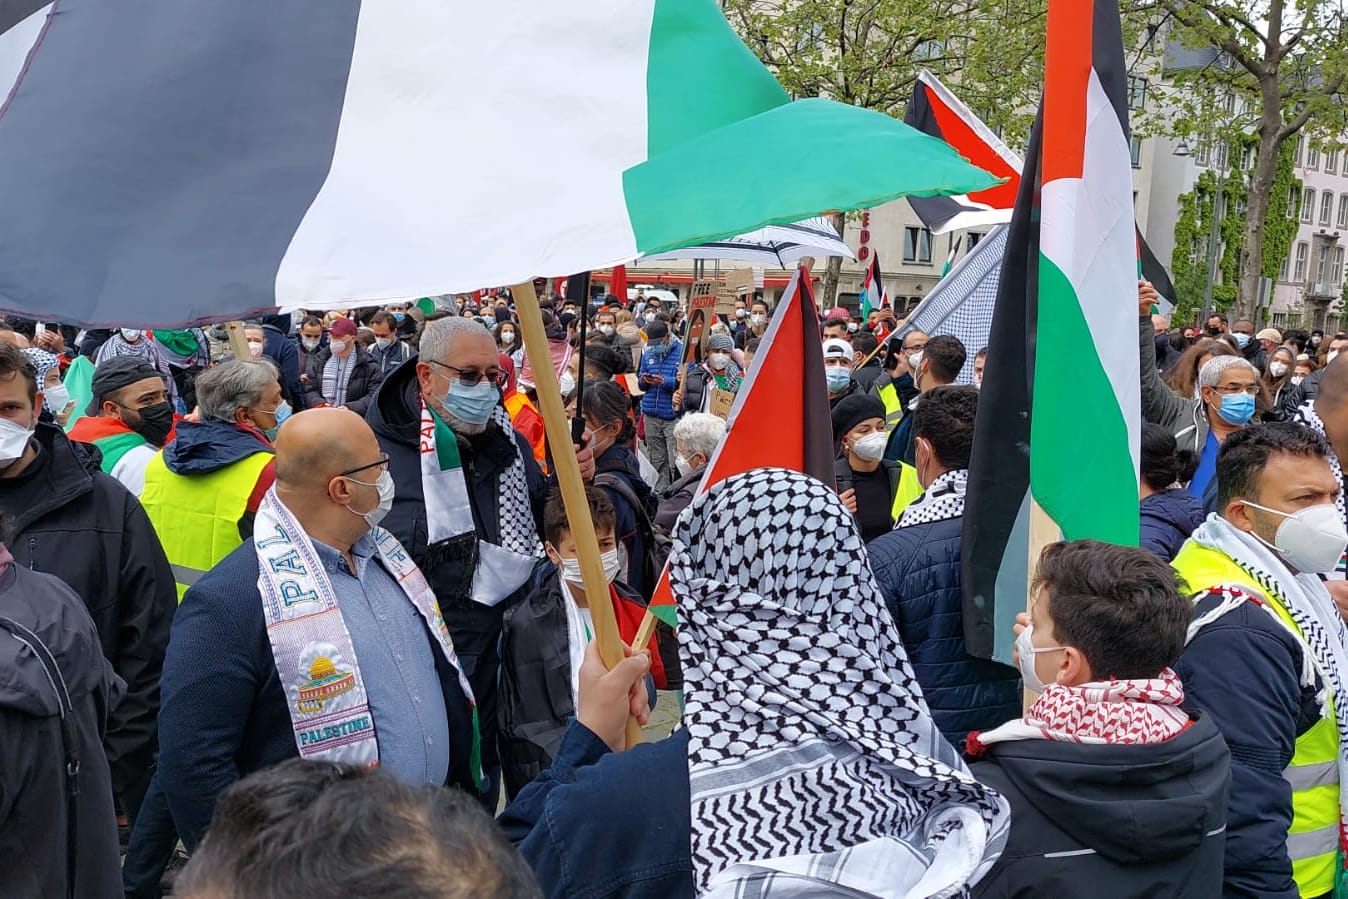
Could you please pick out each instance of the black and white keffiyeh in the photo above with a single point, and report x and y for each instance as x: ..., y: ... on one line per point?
x: 813, y: 761
x: 1305, y: 598
x: 1307, y: 416
x: 943, y: 499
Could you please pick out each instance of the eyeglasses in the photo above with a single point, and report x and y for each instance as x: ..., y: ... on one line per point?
x: 916, y: 348
x: 382, y: 463
x: 1252, y: 390
x: 470, y: 376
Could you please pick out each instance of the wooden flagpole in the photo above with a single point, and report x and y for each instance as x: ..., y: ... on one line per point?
x: 572, y: 487
x: 238, y: 341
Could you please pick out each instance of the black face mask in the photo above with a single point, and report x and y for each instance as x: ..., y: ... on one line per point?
x: 154, y: 422
x: 1213, y: 332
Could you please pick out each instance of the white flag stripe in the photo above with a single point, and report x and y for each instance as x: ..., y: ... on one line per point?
x: 15, y: 45
x: 377, y: 231
x: 1088, y: 231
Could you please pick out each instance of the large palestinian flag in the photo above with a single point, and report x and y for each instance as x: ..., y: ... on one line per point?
x: 1068, y: 280
x: 166, y: 161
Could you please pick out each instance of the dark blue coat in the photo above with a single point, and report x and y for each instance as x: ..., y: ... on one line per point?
x: 280, y: 349
x: 578, y: 854
x: 223, y: 710
x: 918, y: 571
x: 1167, y: 519
x: 621, y: 462
x: 1244, y: 671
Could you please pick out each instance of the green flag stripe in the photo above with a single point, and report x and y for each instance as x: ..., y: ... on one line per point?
x: 666, y: 612
x: 446, y: 445
x: 1081, y: 470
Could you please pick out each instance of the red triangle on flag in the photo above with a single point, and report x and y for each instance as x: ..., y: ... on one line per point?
x: 781, y: 416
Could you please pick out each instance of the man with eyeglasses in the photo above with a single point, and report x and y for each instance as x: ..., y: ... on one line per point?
x: 469, y: 497
x: 1228, y: 389
x: 895, y: 388
x: 318, y: 637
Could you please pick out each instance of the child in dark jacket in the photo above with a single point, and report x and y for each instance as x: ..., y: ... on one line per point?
x: 1114, y: 788
x: 543, y: 642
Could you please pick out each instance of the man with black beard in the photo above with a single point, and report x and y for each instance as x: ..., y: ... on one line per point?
x: 128, y: 419
x: 73, y: 521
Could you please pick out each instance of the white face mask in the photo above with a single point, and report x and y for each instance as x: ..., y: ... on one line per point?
x: 571, y: 568
x: 507, y: 337
x: 383, y: 342
x: 1333, y: 354
x: 915, y: 361
x: 871, y: 447
x: 718, y: 361
x: 683, y: 465
x: 1277, y: 369
x: 1025, y: 653
x: 566, y: 383
x: 606, y: 330
x: 311, y: 343
x: 13, y: 441
x: 1313, y: 539
x: 131, y: 335
x: 255, y: 349
x: 337, y: 346
x: 978, y: 381
x: 55, y: 398
x: 756, y: 320
x: 385, y: 487
x: 1297, y: 379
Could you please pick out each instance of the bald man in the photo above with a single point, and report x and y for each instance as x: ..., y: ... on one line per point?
x: 318, y: 637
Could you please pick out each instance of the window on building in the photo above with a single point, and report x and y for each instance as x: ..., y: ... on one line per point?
x: 1308, y: 204
x: 1313, y: 158
x: 1343, y: 211
x: 1331, y: 161
x: 1300, y: 150
x: 1326, y: 208
x: 1204, y: 155
x: 1299, y: 268
x: 973, y: 237
x: 1336, y: 268
x: 1229, y: 104
x: 1322, y: 265
x: 1222, y: 151
x: 1293, y: 202
x: 1135, y: 151
x: 1282, y: 269
x: 917, y: 245
x: 1137, y: 92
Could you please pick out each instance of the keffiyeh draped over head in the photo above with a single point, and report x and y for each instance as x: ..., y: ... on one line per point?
x: 41, y: 360
x: 813, y: 760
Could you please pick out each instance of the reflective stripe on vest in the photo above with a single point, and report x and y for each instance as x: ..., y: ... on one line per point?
x: 1312, y: 840
x: 197, y: 516
x: 889, y: 395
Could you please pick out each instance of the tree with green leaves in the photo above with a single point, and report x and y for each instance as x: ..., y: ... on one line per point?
x: 1269, y: 69
x: 868, y: 53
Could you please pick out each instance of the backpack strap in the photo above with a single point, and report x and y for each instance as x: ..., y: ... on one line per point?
x: 609, y: 479
x: 69, y: 742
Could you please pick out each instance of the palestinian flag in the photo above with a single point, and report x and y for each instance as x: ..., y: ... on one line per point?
x: 872, y: 288
x: 174, y: 161
x: 780, y: 418
x: 935, y: 110
x: 1068, y: 279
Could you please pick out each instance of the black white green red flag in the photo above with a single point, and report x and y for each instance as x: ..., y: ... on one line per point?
x: 1060, y: 427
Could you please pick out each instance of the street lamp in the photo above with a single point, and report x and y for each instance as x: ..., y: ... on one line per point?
x: 1182, y: 149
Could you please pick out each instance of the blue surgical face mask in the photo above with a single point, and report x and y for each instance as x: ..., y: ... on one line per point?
x: 1242, y: 340
x: 472, y: 402
x: 1237, y: 409
x: 282, y: 413
x: 838, y: 378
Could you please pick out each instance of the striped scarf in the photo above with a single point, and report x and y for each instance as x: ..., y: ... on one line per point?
x: 336, y: 377
x: 1307, y: 416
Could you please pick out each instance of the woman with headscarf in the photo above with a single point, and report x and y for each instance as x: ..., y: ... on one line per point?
x: 54, y: 396
x: 809, y: 764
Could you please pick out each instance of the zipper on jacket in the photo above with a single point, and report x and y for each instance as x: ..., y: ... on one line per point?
x: 32, y: 553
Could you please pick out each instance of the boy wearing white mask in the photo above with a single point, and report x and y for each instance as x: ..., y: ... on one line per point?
x: 543, y: 641
x: 1267, y: 657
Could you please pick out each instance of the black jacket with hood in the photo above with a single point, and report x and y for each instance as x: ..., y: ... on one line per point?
x: 1112, y: 820
x: 69, y: 519
x: 35, y: 801
x: 360, y: 386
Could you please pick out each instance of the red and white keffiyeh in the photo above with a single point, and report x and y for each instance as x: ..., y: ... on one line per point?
x: 1124, y: 712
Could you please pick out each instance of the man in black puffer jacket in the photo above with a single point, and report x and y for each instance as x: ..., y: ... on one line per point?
x: 917, y: 567
x: 69, y: 519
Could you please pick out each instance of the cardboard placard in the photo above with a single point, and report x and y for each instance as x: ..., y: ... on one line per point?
x: 633, y: 385
x: 721, y: 401
x: 701, y: 312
